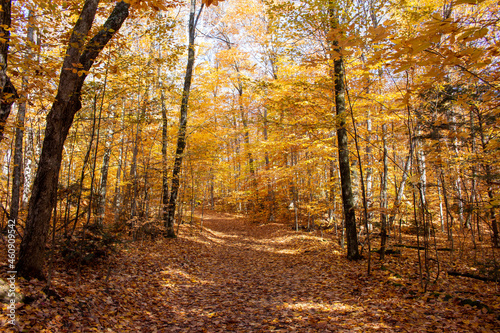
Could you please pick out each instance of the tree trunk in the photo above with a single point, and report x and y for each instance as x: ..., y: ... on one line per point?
x: 345, y: 170
x: 8, y: 93
x: 401, y: 189
x: 103, y: 188
x: 18, y: 145
x: 84, y: 166
x: 164, y: 147
x: 343, y: 148
x: 28, y: 167
x: 383, y: 197
x: 133, y: 189
x: 67, y: 104
x: 117, y: 200
x: 181, y: 136
x: 489, y: 182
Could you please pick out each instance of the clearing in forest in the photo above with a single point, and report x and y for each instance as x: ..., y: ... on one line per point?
x: 240, y: 276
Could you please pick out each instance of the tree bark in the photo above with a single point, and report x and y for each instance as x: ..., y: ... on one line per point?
x: 103, y: 188
x: 344, y: 166
x: 495, y: 237
x: 383, y: 197
x: 117, y: 200
x: 8, y: 93
x: 164, y: 147
x: 343, y: 148
x: 67, y: 104
x: 181, y: 136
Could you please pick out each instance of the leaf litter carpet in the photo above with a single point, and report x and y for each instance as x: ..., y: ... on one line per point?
x: 239, y: 276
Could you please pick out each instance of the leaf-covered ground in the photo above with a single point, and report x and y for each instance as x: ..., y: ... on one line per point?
x: 239, y: 276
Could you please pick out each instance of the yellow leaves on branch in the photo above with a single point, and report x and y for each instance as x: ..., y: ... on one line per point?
x: 211, y: 2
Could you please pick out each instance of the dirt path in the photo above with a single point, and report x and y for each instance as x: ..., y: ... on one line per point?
x: 237, y: 276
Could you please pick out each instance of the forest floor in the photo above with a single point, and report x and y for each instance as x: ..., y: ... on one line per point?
x: 239, y: 276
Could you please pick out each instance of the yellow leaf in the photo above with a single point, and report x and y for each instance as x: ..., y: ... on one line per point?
x: 416, y: 48
x: 212, y: 2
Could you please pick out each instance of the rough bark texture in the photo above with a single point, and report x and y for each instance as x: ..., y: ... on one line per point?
x: 67, y: 103
x: 8, y: 92
x: 344, y: 166
x: 343, y: 148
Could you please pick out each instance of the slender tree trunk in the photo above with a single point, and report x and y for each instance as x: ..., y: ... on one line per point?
x: 103, y: 188
x: 181, y: 136
x: 101, y: 199
x: 18, y: 146
x: 84, y: 166
x: 117, y: 200
x: 133, y: 189
x: 270, y: 192
x: 441, y: 216
x: 164, y: 146
x: 28, y: 167
x: 383, y: 197
x: 369, y: 169
x: 401, y: 189
x: 67, y: 104
x: 331, y: 196
x: 473, y: 208
x: 67, y: 210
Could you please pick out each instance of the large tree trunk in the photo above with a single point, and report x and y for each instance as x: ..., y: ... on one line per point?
x: 67, y: 103
x: 343, y: 148
x: 181, y: 136
x: 345, y: 170
x: 8, y: 92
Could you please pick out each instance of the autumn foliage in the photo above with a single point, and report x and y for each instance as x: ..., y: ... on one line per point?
x: 255, y: 195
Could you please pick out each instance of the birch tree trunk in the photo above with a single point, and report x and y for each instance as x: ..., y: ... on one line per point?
x: 18, y: 145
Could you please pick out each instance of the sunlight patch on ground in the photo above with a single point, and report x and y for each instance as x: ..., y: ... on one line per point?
x: 274, y: 244
x: 223, y: 235
x: 320, y: 307
x: 176, y: 276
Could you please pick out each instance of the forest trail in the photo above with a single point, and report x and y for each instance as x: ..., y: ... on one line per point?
x: 239, y: 276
